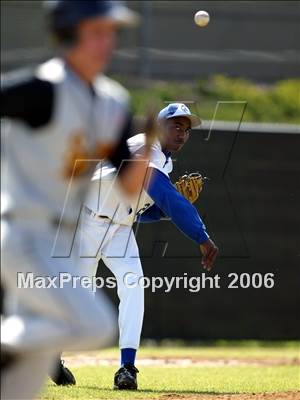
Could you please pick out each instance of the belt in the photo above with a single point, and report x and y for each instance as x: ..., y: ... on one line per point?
x: 91, y: 213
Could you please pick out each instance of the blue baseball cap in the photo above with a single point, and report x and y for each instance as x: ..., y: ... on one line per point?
x: 178, y: 110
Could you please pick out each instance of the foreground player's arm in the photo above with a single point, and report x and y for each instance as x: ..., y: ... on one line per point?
x: 131, y: 171
x: 182, y: 213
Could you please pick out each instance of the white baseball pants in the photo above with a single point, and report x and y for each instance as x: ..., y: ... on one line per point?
x: 116, y: 246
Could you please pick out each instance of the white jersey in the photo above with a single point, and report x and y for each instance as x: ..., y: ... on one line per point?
x: 105, y: 197
x: 39, y: 161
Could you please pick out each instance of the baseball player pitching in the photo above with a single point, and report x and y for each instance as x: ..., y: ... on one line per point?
x: 107, y: 232
x: 59, y: 119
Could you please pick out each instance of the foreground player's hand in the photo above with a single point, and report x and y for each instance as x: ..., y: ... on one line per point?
x: 152, y: 130
x: 209, y: 254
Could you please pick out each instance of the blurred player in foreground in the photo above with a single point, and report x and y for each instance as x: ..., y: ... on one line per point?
x: 60, y: 118
x: 107, y: 232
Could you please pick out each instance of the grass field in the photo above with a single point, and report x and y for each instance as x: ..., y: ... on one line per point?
x: 248, y: 371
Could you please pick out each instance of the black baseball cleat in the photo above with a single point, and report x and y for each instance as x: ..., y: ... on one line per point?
x: 62, y: 376
x: 125, y: 378
x: 7, y: 360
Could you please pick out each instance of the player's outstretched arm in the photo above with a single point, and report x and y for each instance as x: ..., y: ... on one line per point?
x: 183, y: 214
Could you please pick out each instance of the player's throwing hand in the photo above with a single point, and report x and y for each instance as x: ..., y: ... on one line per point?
x: 209, y: 254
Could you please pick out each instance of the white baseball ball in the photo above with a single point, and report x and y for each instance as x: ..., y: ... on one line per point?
x: 201, y: 18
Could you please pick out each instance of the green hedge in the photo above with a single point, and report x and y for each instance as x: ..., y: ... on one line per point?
x: 279, y: 102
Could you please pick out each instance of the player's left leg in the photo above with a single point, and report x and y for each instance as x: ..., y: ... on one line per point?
x: 48, y: 319
x: 92, y: 232
x: 121, y: 256
x: 24, y: 377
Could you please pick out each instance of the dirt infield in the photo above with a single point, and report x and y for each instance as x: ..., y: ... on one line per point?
x: 260, y: 396
x: 81, y: 359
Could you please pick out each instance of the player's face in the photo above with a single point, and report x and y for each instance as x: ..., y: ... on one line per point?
x: 96, y: 39
x: 177, y: 133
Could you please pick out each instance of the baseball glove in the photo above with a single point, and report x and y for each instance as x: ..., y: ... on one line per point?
x: 190, y: 186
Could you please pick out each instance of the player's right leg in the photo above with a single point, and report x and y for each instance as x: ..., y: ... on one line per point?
x: 119, y: 251
x: 121, y: 256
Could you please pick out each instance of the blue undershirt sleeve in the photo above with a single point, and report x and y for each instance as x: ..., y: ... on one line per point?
x: 152, y: 214
x: 182, y: 213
